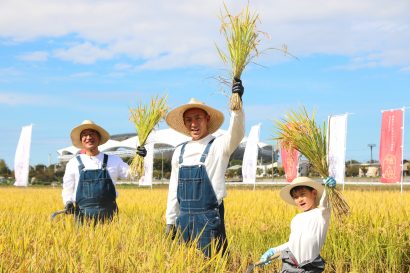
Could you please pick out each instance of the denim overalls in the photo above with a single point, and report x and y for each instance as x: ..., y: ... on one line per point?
x: 95, y: 197
x: 200, y: 215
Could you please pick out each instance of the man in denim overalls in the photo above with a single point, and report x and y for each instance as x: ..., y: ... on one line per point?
x: 197, y: 184
x: 90, y: 177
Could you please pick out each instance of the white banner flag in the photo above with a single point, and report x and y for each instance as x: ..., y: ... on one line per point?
x: 337, y: 130
x: 22, y: 157
x: 250, y: 155
x: 146, y: 180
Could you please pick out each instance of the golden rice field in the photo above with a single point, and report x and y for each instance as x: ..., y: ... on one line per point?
x: 375, y: 238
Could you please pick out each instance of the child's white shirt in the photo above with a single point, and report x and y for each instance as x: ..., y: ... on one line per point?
x: 308, y: 232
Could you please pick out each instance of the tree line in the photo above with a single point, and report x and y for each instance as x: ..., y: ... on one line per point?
x: 46, y: 175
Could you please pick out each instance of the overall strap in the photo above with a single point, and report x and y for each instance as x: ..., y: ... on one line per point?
x: 104, y: 165
x: 203, y: 156
x: 81, y: 164
x: 205, y: 153
x: 181, y: 155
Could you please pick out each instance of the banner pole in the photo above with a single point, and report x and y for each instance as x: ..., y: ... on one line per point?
x: 402, y: 152
x: 344, y: 169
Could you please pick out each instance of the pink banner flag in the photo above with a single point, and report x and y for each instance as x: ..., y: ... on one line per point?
x: 391, y: 146
x: 290, y: 162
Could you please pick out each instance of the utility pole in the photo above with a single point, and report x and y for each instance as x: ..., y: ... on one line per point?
x: 371, y: 146
x: 273, y: 159
x: 162, y: 165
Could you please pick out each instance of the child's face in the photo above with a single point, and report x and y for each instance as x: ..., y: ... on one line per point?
x: 305, y: 199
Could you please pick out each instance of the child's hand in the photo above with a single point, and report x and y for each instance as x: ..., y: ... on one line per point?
x: 265, y: 257
x: 330, y: 182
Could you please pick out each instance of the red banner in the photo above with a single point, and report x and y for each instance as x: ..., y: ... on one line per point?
x: 290, y: 162
x: 391, y: 146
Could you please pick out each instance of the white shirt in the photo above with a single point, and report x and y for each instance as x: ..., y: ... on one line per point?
x: 215, y: 163
x: 115, y: 166
x: 308, y: 232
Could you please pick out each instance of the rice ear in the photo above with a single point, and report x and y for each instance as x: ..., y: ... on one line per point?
x: 145, y: 119
x: 242, y: 38
x: 302, y: 133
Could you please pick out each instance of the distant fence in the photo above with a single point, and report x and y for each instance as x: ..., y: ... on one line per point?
x: 282, y: 183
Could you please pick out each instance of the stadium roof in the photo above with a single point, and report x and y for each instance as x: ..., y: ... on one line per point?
x: 124, y: 145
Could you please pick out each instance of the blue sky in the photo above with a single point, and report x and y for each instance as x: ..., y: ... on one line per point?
x: 65, y: 61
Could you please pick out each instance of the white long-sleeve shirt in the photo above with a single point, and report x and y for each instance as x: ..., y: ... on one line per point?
x: 115, y: 166
x: 215, y: 163
x: 308, y: 232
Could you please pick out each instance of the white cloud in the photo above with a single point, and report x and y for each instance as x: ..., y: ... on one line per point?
x: 85, y: 53
x: 14, y: 99
x: 168, y: 34
x: 123, y: 96
x: 122, y: 66
x: 406, y: 69
x: 8, y: 73
x: 38, y: 56
x: 82, y: 75
x: 66, y: 100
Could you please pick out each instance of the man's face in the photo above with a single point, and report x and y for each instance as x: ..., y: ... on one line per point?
x: 305, y: 199
x: 90, y: 139
x: 196, y: 121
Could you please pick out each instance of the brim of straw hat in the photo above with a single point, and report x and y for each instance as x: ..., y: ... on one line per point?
x: 175, y: 118
x: 301, y: 181
x: 87, y: 124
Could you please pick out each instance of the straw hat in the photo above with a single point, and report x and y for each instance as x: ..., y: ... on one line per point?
x: 88, y: 124
x: 301, y: 181
x: 175, y: 118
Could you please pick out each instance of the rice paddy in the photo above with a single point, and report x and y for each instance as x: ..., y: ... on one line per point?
x: 374, y: 238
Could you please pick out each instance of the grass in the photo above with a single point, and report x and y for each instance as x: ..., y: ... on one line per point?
x: 374, y: 238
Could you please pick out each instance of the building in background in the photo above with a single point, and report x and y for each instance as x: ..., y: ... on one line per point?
x: 124, y: 145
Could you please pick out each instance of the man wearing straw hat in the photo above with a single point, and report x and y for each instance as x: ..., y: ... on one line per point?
x: 90, y: 177
x: 308, y: 229
x: 197, y: 184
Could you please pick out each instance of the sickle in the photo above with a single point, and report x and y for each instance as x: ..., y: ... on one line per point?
x: 57, y: 213
x: 252, y: 266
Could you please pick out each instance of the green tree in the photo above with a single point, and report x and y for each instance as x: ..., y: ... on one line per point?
x: 4, y: 169
x: 235, y: 162
x: 42, y: 174
x: 352, y: 170
x: 158, y: 164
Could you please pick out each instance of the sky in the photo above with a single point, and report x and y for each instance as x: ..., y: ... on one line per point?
x: 65, y: 61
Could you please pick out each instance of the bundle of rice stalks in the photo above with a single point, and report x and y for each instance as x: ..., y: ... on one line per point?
x: 299, y: 131
x: 242, y: 39
x: 145, y: 119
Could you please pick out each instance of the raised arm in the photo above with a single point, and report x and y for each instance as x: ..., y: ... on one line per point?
x: 236, y: 130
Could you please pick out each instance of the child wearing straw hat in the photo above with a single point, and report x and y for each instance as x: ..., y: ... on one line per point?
x: 197, y: 184
x: 308, y: 229
x: 90, y: 177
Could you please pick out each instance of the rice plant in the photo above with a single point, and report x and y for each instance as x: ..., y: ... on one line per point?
x: 375, y: 238
x: 300, y: 131
x: 145, y: 119
x: 242, y: 39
